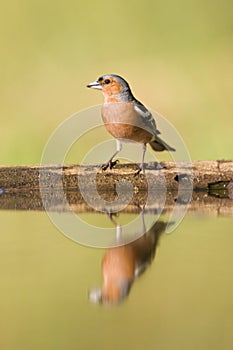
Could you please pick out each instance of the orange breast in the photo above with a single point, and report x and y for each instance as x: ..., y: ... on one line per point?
x: 118, y: 265
x: 123, y: 122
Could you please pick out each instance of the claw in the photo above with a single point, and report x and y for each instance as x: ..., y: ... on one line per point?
x: 109, y: 164
x: 138, y: 171
x: 105, y: 166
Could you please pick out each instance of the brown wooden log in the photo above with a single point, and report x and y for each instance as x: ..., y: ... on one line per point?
x: 20, y: 186
x: 200, y: 174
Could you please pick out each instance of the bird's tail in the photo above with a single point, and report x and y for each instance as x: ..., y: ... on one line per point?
x: 159, y: 145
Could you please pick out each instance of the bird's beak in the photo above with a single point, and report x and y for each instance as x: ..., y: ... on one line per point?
x: 95, y: 85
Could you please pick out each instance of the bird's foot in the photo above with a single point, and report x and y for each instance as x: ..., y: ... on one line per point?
x: 110, y: 164
x: 149, y: 166
x: 112, y: 216
x: 140, y: 170
x: 137, y: 172
x: 159, y: 166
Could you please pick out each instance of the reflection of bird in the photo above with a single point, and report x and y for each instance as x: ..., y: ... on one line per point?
x: 126, y: 118
x: 121, y: 265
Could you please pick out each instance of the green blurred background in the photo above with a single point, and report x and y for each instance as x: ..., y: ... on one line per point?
x: 177, y: 56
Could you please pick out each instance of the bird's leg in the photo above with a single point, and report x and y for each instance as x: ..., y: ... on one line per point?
x: 110, y: 164
x: 118, y: 226
x: 118, y: 233
x: 142, y: 166
x: 143, y: 157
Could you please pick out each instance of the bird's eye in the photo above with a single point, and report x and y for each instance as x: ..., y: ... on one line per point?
x: 107, y: 81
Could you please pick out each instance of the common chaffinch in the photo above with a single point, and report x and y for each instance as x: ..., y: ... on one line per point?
x: 126, y: 118
x: 122, y: 265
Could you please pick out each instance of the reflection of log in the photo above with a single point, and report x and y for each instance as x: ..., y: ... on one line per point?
x: 201, y: 202
x: 199, y: 173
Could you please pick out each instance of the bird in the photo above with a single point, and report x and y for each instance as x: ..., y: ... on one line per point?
x: 122, y: 265
x: 127, y: 119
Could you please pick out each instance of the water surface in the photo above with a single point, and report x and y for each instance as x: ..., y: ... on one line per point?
x: 183, y: 299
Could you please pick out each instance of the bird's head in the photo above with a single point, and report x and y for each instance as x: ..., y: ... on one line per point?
x: 112, y: 86
x: 110, y: 295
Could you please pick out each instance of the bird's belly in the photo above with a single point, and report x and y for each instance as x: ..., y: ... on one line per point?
x: 123, y: 122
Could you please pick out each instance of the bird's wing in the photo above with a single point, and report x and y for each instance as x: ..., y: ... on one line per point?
x: 146, y: 117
